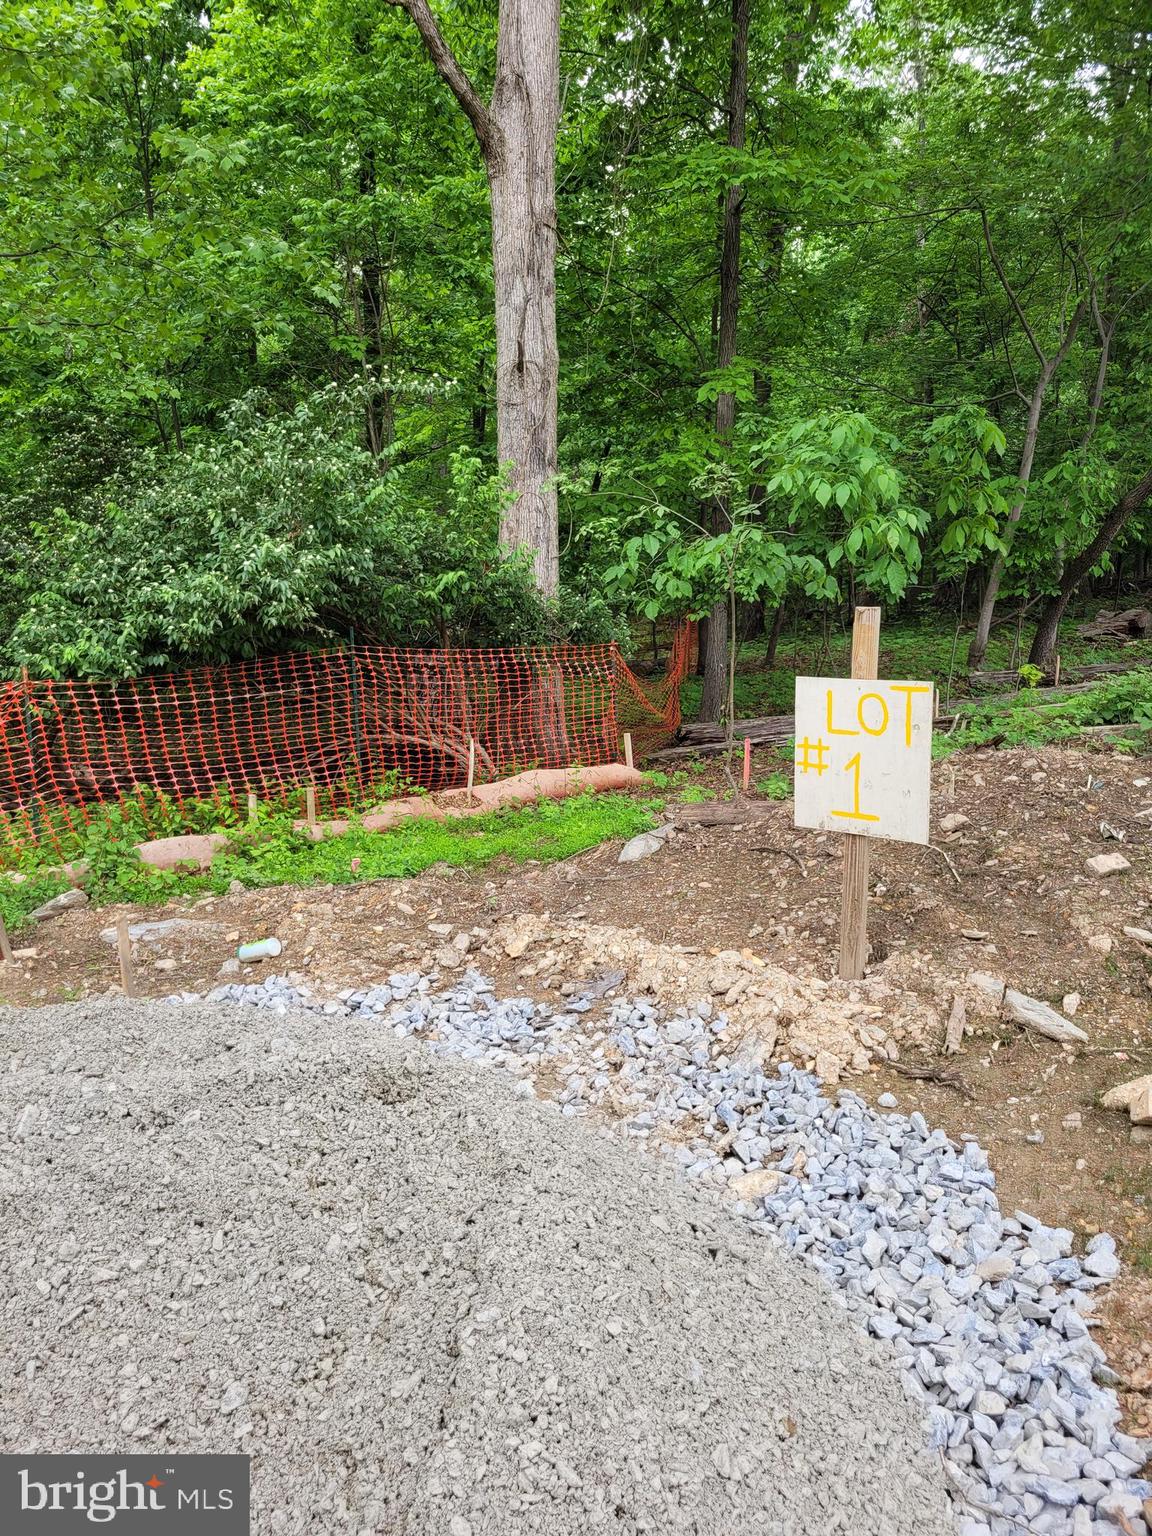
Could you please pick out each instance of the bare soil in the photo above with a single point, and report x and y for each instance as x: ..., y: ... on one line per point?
x: 1007, y: 893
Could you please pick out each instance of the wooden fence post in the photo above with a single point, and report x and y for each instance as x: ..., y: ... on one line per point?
x: 124, y: 951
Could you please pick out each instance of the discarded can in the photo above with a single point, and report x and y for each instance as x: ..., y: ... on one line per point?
x: 263, y: 949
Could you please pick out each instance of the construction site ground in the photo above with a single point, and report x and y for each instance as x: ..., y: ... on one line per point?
x: 1007, y: 893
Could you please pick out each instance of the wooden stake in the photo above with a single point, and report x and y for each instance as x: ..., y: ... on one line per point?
x: 1056, y: 674
x: 310, y: 812
x: 628, y: 749
x: 471, y: 766
x: 854, y: 906
x: 252, y: 805
x: 124, y: 950
x: 747, y: 762
x: 5, y: 946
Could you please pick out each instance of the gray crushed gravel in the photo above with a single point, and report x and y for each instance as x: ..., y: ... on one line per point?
x: 423, y: 1303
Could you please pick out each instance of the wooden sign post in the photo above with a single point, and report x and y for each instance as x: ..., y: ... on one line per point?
x: 857, y: 849
x: 863, y: 769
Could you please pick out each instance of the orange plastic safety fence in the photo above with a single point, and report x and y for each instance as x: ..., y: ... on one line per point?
x: 357, y: 724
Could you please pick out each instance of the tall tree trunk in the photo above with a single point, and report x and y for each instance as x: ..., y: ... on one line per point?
x: 714, y: 697
x: 517, y: 138
x: 525, y: 108
x: 1049, y: 366
x: 1048, y: 629
x: 978, y: 645
x: 774, y: 633
x: 379, y: 429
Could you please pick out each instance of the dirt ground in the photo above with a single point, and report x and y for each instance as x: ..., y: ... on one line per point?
x: 1007, y: 893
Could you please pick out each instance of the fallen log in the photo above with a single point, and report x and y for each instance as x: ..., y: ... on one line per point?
x: 997, y: 680
x: 1130, y: 624
x: 724, y: 813
x: 706, y: 738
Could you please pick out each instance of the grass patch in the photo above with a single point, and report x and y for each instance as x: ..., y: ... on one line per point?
x: 547, y: 830
x: 909, y: 648
x: 272, y: 852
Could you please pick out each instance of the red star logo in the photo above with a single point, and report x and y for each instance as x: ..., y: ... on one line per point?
x: 153, y: 1482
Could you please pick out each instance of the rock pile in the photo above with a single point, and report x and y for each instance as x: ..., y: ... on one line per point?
x: 833, y: 1027
x: 986, y: 1315
x: 419, y: 1304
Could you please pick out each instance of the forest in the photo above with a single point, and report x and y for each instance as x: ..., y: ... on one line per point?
x: 477, y: 323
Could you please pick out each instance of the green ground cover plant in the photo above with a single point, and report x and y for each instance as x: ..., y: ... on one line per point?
x: 272, y: 852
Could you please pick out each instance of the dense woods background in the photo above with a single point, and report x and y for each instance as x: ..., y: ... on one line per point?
x: 850, y: 299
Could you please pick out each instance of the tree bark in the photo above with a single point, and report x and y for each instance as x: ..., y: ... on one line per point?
x: 1048, y: 629
x: 526, y: 109
x: 979, y: 642
x: 774, y: 633
x: 714, y: 696
x: 517, y: 138
x: 1048, y: 368
x: 378, y: 416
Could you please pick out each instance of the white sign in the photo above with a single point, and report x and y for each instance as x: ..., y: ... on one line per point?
x: 864, y: 757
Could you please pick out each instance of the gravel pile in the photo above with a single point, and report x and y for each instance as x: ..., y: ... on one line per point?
x: 987, y: 1316
x: 424, y: 1303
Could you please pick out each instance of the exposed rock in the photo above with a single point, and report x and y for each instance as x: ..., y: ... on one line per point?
x: 1107, y: 864
x: 644, y: 844
x: 58, y: 905
x: 1124, y: 1095
x: 168, y: 928
x: 195, y: 851
x: 954, y: 821
x: 751, y: 1186
x: 1026, y: 1010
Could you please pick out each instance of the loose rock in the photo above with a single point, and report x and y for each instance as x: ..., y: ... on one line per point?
x: 1103, y: 864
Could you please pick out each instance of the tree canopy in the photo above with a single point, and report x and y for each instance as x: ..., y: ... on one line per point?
x: 248, y: 320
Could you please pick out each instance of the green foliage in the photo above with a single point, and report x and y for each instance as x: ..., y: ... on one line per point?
x: 838, y: 476
x: 970, y: 500
x: 776, y: 786
x: 246, y: 341
x: 546, y: 831
x: 1023, y: 719
x: 20, y: 897
x: 275, y: 532
x: 271, y: 851
x: 696, y: 794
